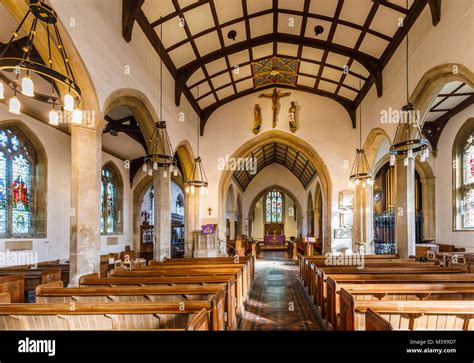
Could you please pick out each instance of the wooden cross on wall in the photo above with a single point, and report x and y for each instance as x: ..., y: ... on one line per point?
x: 209, y: 210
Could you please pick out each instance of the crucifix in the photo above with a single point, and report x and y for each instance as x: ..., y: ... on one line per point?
x: 275, y: 96
x: 209, y: 210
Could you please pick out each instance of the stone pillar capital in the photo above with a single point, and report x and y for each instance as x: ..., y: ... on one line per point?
x: 90, y: 122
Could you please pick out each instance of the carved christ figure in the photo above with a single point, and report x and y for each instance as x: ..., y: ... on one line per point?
x: 257, y: 119
x: 275, y: 96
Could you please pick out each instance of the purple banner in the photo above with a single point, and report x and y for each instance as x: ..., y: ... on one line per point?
x: 207, y: 229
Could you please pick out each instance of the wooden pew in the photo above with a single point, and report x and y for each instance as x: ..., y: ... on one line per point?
x: 172, y: 271
x: 108, y: 316
x: 244, y: 274
x: 249, y: 260
x: 214, y: 294
x: 375, y: 322
x: 34, y: 277
x: 401, y: 290
x: 232, y: 306
x: 408, y: 315
x: 14, y: 285
x: 318, y: 281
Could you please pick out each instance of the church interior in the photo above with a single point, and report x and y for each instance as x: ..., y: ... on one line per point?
x: 224, y: 165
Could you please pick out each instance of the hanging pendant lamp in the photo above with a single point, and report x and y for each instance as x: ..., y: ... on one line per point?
x: 361, y: 174
x: 411, y: 147
x: 198, y: 177
x: 160, y: 151
x: 22, y: 68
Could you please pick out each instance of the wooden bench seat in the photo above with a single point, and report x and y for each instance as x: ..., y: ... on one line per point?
x: 14, y: 285
x: 408, y: 315
x: 232, y: 301
x: 393, y: 291
x: 244, y: 273
x: 249, y: 261
x: 214, y: 294
x: 34, y: 277
x: 109, y: 316
x: 236, y: 272
x: 318, y: 281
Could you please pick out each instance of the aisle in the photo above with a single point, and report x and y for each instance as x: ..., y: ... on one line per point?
x: 277, y: 300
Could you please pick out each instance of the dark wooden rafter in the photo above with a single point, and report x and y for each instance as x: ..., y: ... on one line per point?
x: 433, y: 129
x: 132, y: 12
x: 130, y: 9
x: 132, y: 130
x: 435, y: 7
x: 369, y: 62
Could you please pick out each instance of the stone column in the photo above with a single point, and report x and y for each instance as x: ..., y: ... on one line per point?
x: 191, y: 221
x: 86, y: 168
x: 232, y: 225
x: 405, y: 207
x: 162, y: 227
x: 428, y: 207
x: 358, y: 218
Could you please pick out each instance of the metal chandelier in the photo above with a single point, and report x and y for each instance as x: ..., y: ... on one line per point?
x: 23, y: 67
x: 160, y: 151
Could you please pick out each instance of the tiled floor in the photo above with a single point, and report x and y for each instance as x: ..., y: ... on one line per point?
x: 277, y: 299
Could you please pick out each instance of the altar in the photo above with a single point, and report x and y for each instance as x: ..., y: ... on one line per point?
x: 274, y: 242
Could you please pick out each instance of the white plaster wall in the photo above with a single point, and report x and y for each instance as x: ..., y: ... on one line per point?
x: 444, y: 186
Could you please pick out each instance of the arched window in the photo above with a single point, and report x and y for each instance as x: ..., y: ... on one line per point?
x: 17, y: 181
x: 274, y: 207
x: 110, y: 222
x: 463, y: 162
x: 468, y: 183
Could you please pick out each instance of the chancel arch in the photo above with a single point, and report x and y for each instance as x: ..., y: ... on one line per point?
x: 278, y: 139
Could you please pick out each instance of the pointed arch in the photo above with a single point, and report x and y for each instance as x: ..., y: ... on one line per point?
x: 38, y: 179
x: 299, y: 145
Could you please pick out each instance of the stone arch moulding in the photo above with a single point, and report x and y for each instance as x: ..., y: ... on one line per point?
x: 184, y: 151
x: 301, y: 146
x: 41, y: 175
x: 428, y: 89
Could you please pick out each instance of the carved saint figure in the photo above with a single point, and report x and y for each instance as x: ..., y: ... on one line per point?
x: 292, y: 117
x: 275, y: 96
x: 257, y: 119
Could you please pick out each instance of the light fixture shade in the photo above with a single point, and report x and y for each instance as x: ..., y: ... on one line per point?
x: 14, y: 106
x: 77, y: 116
x: 198, y: 176
x: 2, y: 91
x: 144, y: 168
x: 53, y: 118
x: 68, y: 102
x: 27, y: 87
x: 361, y: 172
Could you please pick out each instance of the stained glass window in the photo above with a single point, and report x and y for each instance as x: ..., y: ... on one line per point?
x: 16, y: 174
x: 468, y: 182
x: 109, y: 196
x: 274, y: 207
